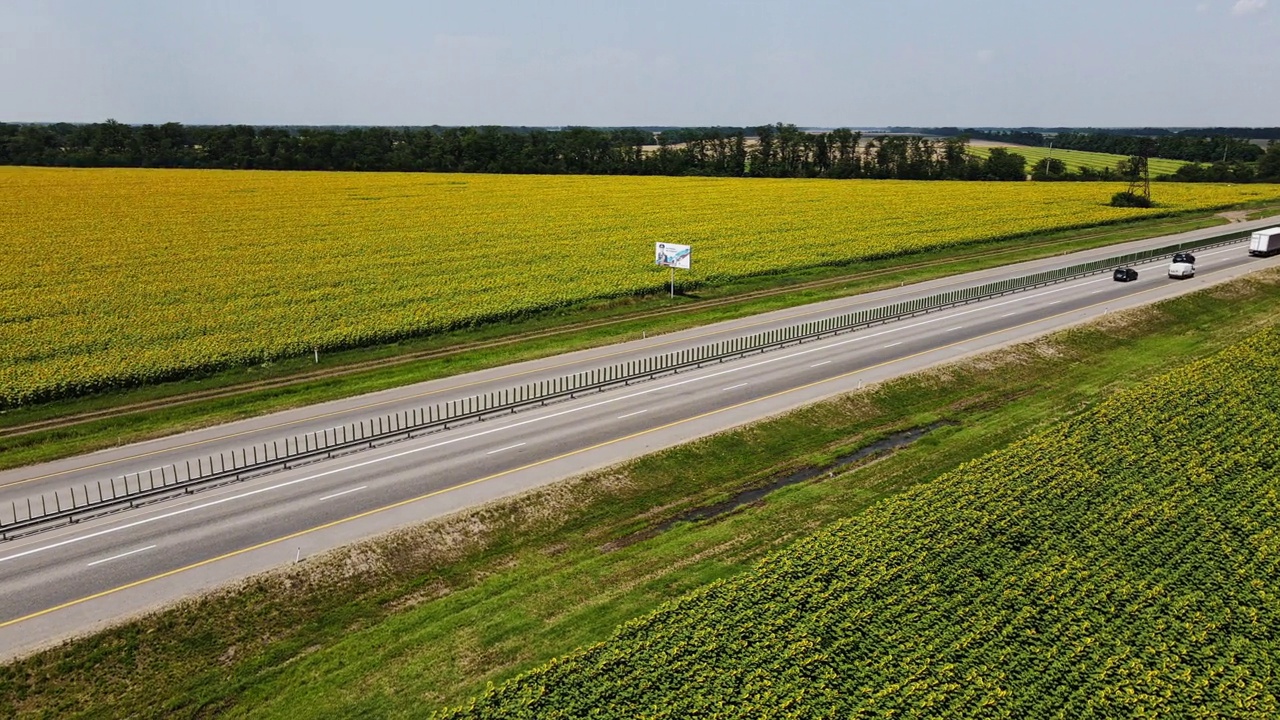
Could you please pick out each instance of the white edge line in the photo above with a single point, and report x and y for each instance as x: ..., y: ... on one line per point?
x: 344, y: 492
x: 117, y: 557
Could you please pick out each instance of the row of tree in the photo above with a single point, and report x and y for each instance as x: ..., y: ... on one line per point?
x: 1054, y: 169
x: 1180, y: 145
x: 465, y: 149
x: 1016, y: 137
x: 1199, y: 149
x: 1212, y: 158
x: 785, y: 151
x: 1040, y: 135
x: 1266, y: 169
x: 781, y: 150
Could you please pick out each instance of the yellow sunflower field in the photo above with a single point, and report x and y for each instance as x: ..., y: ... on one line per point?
x: 118, y: 277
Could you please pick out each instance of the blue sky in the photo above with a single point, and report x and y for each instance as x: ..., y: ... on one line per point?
x: 695, y: 62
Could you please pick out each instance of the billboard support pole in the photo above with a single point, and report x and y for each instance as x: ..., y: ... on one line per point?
x: 672, y: 256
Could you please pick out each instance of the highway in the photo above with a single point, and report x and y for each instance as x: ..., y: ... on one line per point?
x: 72, y: 579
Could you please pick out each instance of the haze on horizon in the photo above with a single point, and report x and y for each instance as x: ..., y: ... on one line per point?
x: 816, y: 63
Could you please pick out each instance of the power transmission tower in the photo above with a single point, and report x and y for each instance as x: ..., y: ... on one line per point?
x: 1140, y: 171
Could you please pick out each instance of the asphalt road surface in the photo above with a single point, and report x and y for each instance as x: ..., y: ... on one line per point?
x: 73, y: 579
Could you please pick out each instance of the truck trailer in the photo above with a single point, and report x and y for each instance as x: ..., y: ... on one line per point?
x: 1265, y: 243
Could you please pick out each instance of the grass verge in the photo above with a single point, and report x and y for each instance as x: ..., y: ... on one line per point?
x: 427, y: 617
x: 175, y: 407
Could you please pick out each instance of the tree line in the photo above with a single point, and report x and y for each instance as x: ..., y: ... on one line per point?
x: 780, y: 150
x: 465, y: 149
x: 1199, y: 149
x: 1266, y: 169
x: 1037, y: 136
x: 1200, y: 146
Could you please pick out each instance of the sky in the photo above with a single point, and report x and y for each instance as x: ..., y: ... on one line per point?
x: 814, y: 63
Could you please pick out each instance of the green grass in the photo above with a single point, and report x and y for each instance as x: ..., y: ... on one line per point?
x: 1076, y: 159
x: 583, y: 326
x: 429, y: 616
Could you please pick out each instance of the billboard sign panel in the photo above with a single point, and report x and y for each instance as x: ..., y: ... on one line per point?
x: 672, y: 255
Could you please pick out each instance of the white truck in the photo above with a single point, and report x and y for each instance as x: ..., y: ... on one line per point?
x: 1265, y: 243
x: 1182, y: 266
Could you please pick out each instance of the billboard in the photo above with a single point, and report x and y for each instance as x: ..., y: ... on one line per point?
x: 672, y: 255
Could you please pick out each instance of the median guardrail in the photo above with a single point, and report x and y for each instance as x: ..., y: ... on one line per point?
x: 122, y: 492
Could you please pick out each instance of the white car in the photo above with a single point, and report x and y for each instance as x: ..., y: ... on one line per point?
x: 1183, y: 266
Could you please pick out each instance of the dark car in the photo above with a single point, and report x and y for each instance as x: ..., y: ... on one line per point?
x: 1125, y: 274
x: 1184, y: 258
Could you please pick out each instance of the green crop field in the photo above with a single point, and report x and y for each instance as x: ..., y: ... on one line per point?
x: 1122, y: 563
x: 1075, y: 159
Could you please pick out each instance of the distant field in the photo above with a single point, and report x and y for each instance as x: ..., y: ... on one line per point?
x: 125, y: 276
x: 1075, y: 159
x: 1122, y: 563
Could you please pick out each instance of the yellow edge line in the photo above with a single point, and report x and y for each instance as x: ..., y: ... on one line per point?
x: 477, y: 481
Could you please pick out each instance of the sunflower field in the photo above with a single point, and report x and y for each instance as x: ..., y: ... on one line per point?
x: 1122, y: 563
x: 121, y: 277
